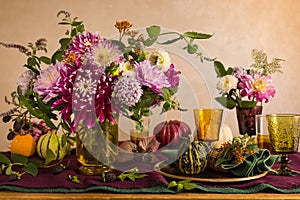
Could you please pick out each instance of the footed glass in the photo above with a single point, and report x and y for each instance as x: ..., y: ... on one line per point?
x: 284, y: 130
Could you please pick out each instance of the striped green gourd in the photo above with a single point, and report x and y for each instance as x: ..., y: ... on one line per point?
x: 53, y: 142
x: 194, y: 159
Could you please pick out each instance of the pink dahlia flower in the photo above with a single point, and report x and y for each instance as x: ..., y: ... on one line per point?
x: 92, y: 96
x: 64, y: 89
x: 46, y: 81
x: 85, y: 92
x: 83, y: 43
x: 257, y: 86
x: 151, y: 76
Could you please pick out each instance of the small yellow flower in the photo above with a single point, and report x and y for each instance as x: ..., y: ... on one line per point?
x: 70, y: 58
x: 123, y: 26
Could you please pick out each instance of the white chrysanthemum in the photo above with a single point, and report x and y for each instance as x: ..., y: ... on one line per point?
x: 127, y: 69
x: 128, y: 91
x: 25, y: 80
x: 105, y: 53
x: 161, y: 59
x: 226, y: 83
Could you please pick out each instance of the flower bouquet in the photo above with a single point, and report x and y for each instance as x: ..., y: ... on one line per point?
x: 246, y: 89
x: 90, y: 80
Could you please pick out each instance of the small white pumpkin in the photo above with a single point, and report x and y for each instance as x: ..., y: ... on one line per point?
x: 225, y: 135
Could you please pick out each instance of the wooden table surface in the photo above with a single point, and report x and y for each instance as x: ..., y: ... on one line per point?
x: 5, y: 195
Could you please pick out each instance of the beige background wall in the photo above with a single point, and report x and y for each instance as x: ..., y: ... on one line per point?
x: 238, y: 27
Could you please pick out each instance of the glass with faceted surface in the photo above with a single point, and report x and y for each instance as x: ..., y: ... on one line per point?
x: 208, y: 123
x: 284, y: 130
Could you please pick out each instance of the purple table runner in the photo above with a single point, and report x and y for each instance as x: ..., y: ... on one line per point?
x: 46, y: 181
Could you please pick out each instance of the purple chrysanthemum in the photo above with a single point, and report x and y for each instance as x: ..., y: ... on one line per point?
x: 128, y: 91
x: 83, y: 43
x: 46, y: 81
x: 106, y: 53
x: 86, y: 93
x: 151, y: 76
x: 25, y: 80
x: 239, y: 72
x: 257, y: 86
x: 173, y: 76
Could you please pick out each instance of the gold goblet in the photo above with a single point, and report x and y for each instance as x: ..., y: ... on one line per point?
x: 208, y: 123
x: 284, y: 130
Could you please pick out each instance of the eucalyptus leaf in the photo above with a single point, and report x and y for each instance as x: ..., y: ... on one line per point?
x: 4, y: 159
x: 131, y: 41
x: 153, y: 31
x: 150, y: 41
x: 170, y: 41
x: 120, y: 44
x: 196, y: 35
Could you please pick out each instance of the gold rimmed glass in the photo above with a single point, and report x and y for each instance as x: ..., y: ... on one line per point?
x: 284, y: 130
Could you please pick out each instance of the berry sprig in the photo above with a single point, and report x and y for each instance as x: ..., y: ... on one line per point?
x: 131, y: 174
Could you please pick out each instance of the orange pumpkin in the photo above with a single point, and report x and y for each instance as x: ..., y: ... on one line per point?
x: 23, y: 144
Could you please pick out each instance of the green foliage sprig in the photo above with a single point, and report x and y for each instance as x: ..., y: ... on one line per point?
x: 131, y: 174
x: 74, y: 179
x: 30, y: 167
x: 139, y: 41
x: 237, y: 150
x: 182, y: 185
